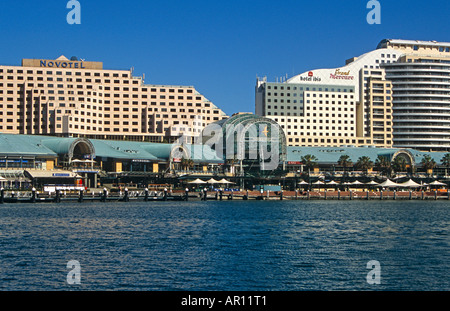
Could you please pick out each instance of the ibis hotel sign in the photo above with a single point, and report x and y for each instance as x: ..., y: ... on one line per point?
x: 61, y: 63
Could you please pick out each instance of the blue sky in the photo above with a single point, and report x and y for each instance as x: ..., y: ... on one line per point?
x: 217, y: 46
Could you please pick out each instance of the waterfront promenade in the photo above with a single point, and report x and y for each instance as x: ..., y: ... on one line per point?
x: 179, y: 195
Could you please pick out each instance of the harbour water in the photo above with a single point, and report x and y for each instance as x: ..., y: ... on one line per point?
x: 225, y: 245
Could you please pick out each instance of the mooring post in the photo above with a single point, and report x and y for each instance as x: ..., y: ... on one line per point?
x: 220, y: 194
x: 125, y: 196
x: 165, y: 194
x: 395, y: 194
x: 367, y: 195
x: 80, y: 198
x: 296, y: 194
x: 308, y: 196
x: 246, y: 195
x: 325, y: 194
x: 281, y: 195
x: 2, y: 195
x: 423, y: 195
x: 381, y: 194
x: 105, y: 193
x: 58, y: 196
x: 146, y: 194
x: 339, y: 194
x: 33, y: 195
x: 186, y: 194
x: 410, y: 194
x: 351, y: 195
x: 267, y: 193
x: 435, y: 194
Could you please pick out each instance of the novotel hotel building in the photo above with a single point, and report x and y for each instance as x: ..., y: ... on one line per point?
x: 77, y: 98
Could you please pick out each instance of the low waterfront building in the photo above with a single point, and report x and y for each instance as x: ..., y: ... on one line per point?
x: 27, y: 160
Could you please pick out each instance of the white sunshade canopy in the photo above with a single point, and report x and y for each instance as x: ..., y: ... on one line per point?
x: 389, y: 183
x: 410, y: 184
x: 197, y: 181
x: 224, y: 181
x: 212, y: 181
x: 372, y: 183
x: 437, y: 183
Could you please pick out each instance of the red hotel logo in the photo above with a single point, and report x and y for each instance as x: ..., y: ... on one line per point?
x: 310, y: 74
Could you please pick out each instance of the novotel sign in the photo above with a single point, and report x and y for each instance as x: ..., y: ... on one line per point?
x: 61, y: 64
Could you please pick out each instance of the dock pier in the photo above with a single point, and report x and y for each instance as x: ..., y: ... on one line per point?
x: 81, y: 196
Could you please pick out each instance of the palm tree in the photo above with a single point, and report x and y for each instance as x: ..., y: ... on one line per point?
x: 187, y: 163
x: 428, y: 163
x: 364, y: 163
x: 383, y: 165
x: 399, y: 164
x: 446, y: 162
x: 310, y: 162
x: 345, y: 162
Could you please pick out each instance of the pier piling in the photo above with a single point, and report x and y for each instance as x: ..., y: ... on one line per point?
x: 33, y: 195
x: 58, y: 196
x: 80, y: 198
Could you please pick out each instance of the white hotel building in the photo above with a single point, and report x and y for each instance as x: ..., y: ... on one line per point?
x: 397, y: 95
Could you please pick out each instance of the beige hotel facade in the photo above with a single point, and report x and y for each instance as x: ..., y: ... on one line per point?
x: 77, y: 98
x: 397, y: 95
x: 346, y: 106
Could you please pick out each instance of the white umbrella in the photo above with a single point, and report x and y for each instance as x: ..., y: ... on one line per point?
x: 437, y: 183
x: 410, y: 184
x: 197, y: 181
x: 332, y: 183
x: 303, y: 183
x: 373, y: 183
x: 356, y: 182
x: 389, y: 183
x: 224, y: 181
x: 318, y: 183
x: 212, y: 181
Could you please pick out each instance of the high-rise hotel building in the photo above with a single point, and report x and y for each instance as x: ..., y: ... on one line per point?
x: 421, y: 94
x: 397, y: 95
x: 77, y: 98
x: 346, y: 106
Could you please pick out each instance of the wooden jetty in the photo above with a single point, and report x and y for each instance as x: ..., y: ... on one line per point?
x: 146, y: 195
